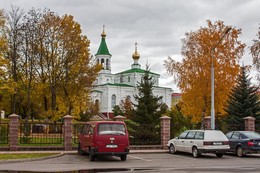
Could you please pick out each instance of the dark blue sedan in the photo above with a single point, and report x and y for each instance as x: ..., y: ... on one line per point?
x: 244, y: 142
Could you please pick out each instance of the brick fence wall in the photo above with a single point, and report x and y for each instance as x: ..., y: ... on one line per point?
x: 68, y: 131
x: 249, y: 123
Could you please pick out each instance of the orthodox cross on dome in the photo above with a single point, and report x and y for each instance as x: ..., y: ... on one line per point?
x: 103, y: 34
x: 136, y: 55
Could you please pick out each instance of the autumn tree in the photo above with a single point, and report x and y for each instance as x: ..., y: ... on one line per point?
x: 242, y: 101
x: 193, y: 73
x: 93, y: 108
x: 54, y: 71
x: 255, y: 51
x: 3, y: 62
x: 13, y: 31
x: 64, y: 67
x: 126, y: 106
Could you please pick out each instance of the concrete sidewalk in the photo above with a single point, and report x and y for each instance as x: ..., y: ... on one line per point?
x: 60, y: 153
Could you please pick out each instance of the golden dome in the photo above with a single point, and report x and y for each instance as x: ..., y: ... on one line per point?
x: 136, y: 55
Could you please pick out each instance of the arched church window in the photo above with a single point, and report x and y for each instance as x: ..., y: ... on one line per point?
x: 128, y: 78
x: 121, y: 79
x: 113, y: 100
x: 98, y: 61
x: 96, y: 106
x: 107, y: 64
x: 102, y: 63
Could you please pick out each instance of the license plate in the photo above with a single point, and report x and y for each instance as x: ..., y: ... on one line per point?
x: 217, y: 143
x: 111, y: 146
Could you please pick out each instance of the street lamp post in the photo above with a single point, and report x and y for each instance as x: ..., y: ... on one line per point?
x: 212, y: 80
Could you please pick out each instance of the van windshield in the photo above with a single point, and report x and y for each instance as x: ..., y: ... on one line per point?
x: 113, y: 129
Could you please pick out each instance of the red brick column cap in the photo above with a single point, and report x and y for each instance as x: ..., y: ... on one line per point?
x: 68, y: 116
x: 249, y: 118
x: 165, y: 117
x: 119, y: 117
x: 13, y: 116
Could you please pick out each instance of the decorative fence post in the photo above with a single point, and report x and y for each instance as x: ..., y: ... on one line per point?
x: 207, y: 123
x: 13, y: 132
x: 165, y: 131
x: 249, y: 123
x: 67, y: 133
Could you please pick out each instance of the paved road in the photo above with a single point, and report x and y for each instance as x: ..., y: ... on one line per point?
x: 143, y: 162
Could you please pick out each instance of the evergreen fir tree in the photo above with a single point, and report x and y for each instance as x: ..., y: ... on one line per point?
x: 149, y: 107
x: 242, y: 102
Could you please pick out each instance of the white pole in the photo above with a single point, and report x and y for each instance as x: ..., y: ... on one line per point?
x: 212, y: 81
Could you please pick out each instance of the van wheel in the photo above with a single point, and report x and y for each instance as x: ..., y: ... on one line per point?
x: 123, y: 157
x: 92, y: 157
x: 172, y: 149
x: 80, y: 151
x: 240, y: 151
x: 195, y: 152
x: 219, y: 154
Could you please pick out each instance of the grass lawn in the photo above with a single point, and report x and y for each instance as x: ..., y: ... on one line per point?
x: 24, y: 155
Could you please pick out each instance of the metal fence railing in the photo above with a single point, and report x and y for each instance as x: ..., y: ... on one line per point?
x: 145, y: 134
x: 44, y: 133
x: 4, y: 127
x: 76, y: 129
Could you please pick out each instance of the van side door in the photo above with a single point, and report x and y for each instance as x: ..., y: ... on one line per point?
x: 83, y: 137
x: 90, y: 137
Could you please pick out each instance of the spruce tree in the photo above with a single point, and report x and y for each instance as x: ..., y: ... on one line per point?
x: 149, y: 107
x: 242, y: 102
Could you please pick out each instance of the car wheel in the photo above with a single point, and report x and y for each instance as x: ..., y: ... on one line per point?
x: 172, y: 149
x: 92, y: 157
x: 195, y: 152
x: 123, y: 157
x: 80, y: 151
x: 240, y: 151
x: 219, y: 154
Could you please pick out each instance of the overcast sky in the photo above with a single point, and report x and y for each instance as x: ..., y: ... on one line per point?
x: 156, y: 25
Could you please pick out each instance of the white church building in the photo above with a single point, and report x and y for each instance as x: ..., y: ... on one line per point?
x: 109, y: 89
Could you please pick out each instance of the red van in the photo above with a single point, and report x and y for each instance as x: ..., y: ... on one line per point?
x: 104, y: 138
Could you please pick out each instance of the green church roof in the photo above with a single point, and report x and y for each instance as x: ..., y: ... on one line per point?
x: 116, y: 84
x: 103, y: 50
x: 135, y: 70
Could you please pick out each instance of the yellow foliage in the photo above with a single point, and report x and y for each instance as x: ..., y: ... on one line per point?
x: 193, y: 74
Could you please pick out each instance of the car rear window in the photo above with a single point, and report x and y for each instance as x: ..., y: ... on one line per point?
x: 214, y: 135
x: 113, y: 129
x: 252, y: 134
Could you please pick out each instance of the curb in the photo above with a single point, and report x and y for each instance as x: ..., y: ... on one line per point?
x: 59, y: 154
x: 30, y: 159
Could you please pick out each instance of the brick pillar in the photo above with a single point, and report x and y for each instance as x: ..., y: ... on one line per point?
x: 249, y: 123
x: 67, y: 133
x: 13, y: 132
x: 165, y: 131
x: 207, y: 123
x: 119, y: 118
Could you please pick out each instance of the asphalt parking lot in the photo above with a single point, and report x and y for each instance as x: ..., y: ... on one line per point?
x: 139, y: 162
